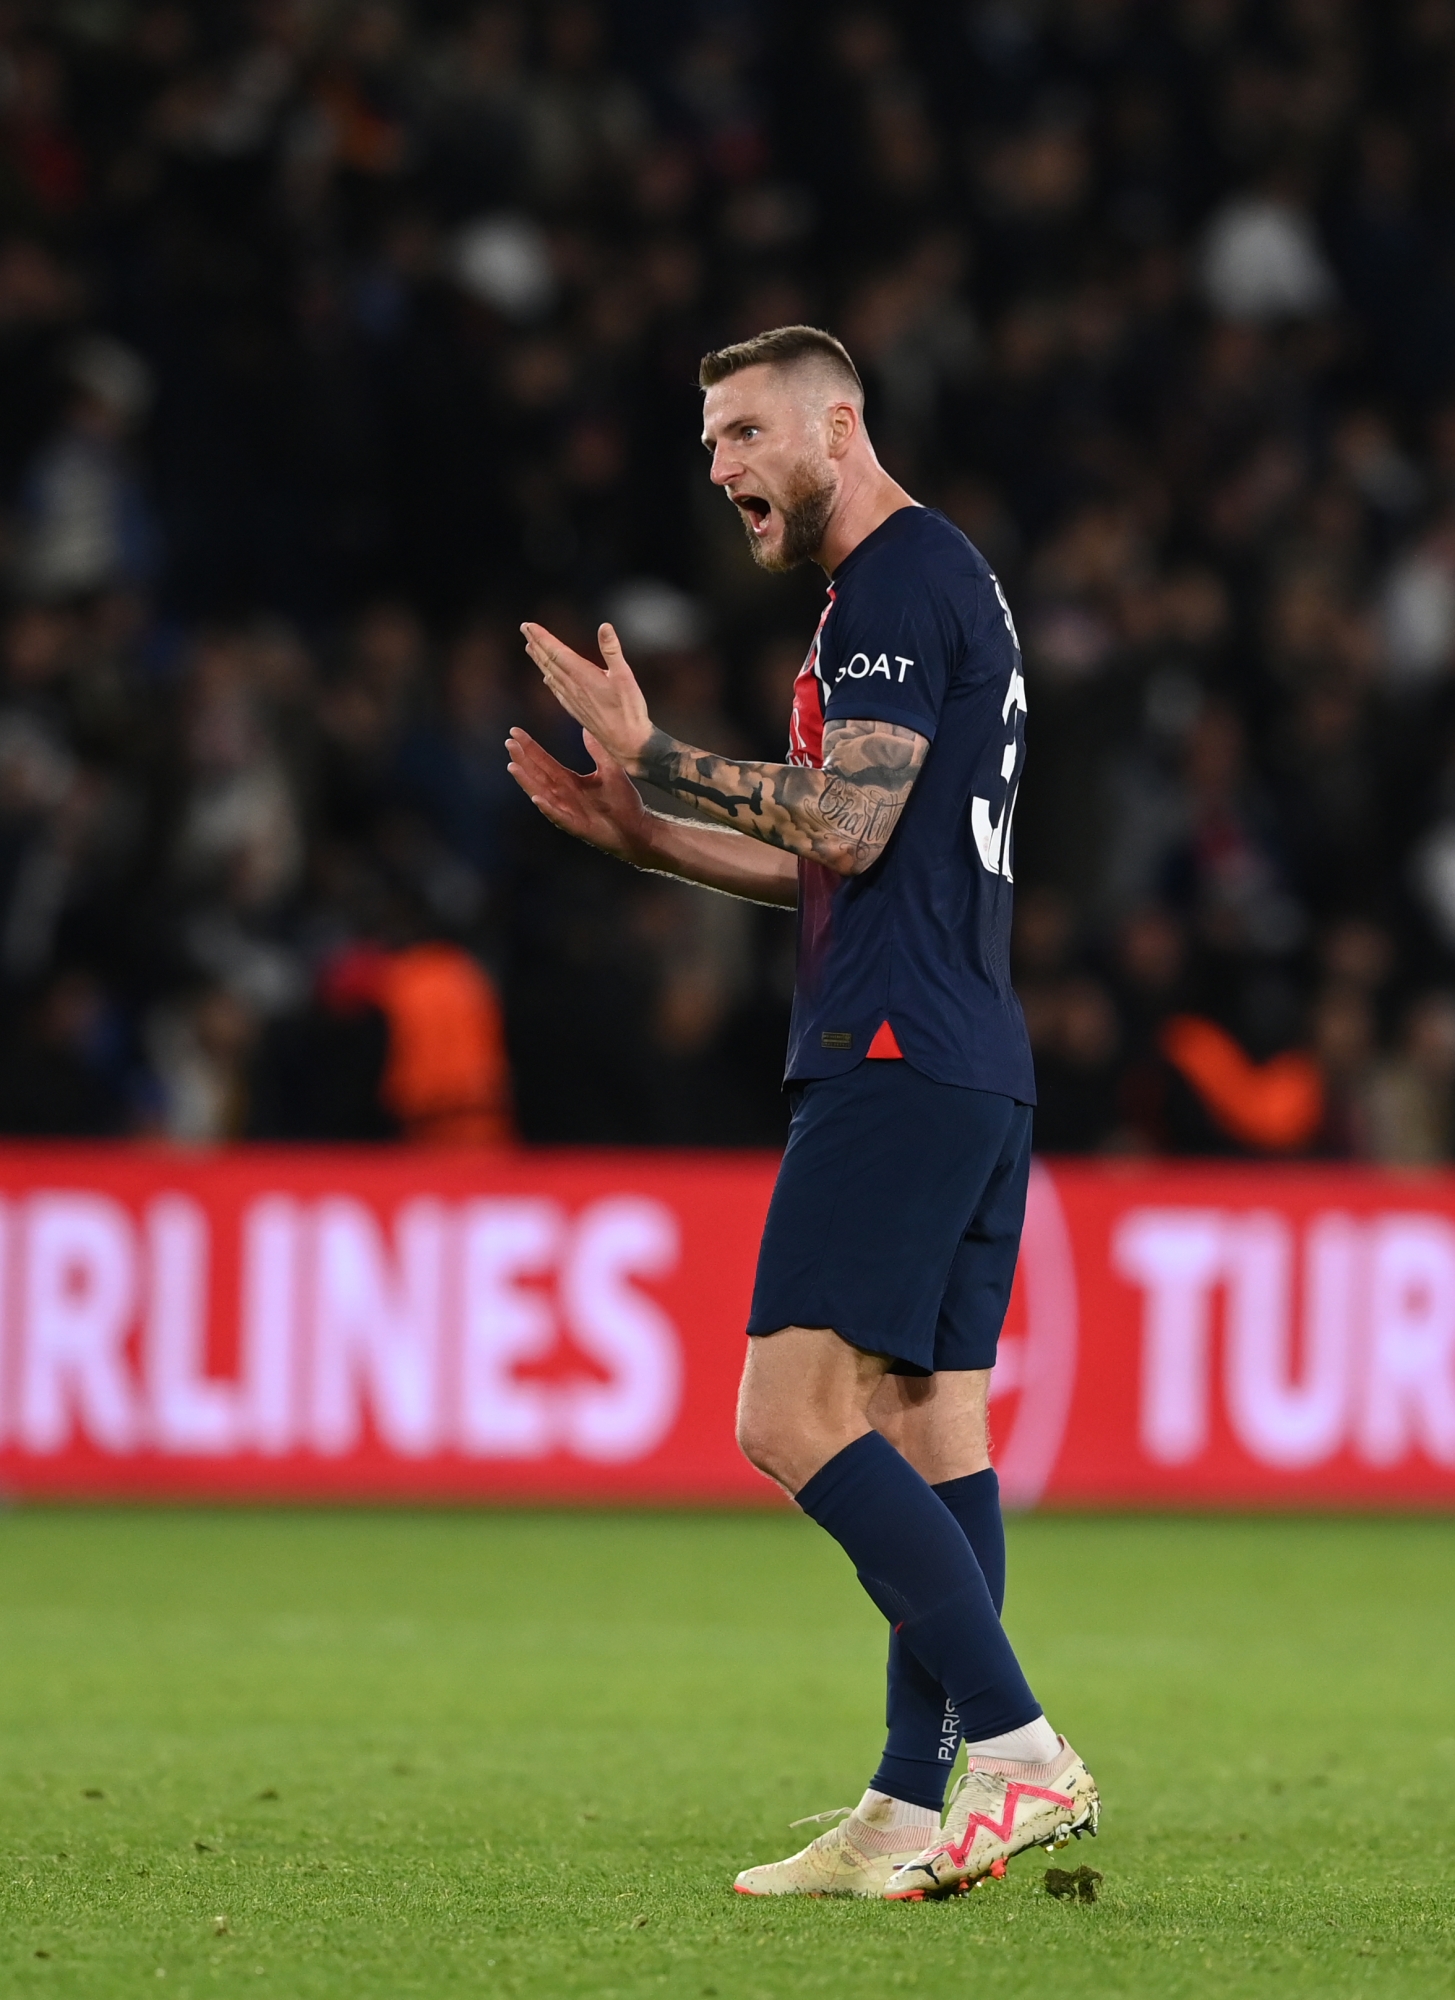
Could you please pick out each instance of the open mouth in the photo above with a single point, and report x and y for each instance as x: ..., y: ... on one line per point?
x: 755, y: 511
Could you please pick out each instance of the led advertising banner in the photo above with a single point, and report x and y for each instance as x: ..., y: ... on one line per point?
x: 360, y: 1325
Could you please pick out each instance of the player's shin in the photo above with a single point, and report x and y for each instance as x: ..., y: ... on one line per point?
x: 924, y: 1730
x: 975, y: 1503
x: 918, y: 1567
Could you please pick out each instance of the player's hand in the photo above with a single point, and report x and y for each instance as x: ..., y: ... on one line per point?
x: 609, y: 704
x: 603, y: 808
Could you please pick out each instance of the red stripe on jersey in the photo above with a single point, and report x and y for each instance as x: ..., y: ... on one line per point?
x: 805, y: 724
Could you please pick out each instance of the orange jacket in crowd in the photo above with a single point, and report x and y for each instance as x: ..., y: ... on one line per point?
x: 446, y: 1074
x: 446, y: 1077
x: 1272, y: 1107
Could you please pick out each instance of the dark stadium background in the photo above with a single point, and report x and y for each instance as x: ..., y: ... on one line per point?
x: 334, y: 339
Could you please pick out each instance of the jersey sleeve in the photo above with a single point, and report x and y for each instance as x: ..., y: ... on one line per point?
x: 889, y: 650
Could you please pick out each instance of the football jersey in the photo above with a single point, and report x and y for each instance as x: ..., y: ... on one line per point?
x: 917, y: 632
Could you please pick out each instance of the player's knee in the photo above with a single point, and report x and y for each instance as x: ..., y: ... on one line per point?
x: 772, y: 1438
x: 761, y: 1440
x: 788, y: 1445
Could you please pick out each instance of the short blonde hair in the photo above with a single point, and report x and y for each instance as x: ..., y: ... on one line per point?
x: 782, y: 347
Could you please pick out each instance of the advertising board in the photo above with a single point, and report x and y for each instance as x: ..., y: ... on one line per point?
x: 562, y: 1326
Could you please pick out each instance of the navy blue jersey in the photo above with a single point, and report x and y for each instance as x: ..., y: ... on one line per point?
x: 917, y: 631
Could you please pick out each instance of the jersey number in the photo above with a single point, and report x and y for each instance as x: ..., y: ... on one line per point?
x: 992, y: 836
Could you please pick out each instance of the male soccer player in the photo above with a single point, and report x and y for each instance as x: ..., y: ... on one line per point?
x: 891, y: 1240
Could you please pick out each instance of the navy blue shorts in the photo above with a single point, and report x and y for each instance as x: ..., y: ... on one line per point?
x: 896, y: 1217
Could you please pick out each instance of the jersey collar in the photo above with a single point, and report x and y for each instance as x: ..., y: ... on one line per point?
x: 889, y: 529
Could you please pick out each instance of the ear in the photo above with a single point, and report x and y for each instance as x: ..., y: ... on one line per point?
x: 842, y: 426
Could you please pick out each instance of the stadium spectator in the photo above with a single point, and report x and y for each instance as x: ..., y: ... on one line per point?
x: 199, y: 1050
x: 1412, y: 1093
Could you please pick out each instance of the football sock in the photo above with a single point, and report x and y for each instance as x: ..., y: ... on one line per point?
x: 880, y: 1825
x: 975, y: 1503
x: 917, y: 1566
x: 881, y: 1809
x: 924, y: 1730
x: 1037, y: 1743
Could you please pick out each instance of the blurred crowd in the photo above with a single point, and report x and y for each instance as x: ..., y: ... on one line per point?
x: 336, y: 336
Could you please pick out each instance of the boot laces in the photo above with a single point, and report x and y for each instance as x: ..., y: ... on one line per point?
x: 986, y: 1778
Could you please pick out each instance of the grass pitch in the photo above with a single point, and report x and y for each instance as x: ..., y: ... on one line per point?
x: 309, y: 1755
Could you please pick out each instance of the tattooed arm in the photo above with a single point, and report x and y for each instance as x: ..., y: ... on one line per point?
x: 841, y: 815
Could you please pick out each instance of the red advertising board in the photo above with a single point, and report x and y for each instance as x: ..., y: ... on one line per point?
x: 364, y: 1325
x: 1232, y: 1336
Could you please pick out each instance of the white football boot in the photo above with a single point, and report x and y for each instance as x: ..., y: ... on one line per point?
x: 998, y: 1809
x: 855, y: 1858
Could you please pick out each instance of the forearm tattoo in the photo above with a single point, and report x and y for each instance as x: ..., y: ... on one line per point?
x: 841, y: 815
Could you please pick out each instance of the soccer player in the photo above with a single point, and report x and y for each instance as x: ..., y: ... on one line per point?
x: 891, y: 1239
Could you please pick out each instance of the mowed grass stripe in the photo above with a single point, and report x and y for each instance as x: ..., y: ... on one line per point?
x: 374, y: 1755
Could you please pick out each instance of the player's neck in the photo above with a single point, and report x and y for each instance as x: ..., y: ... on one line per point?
x: 864, y: 504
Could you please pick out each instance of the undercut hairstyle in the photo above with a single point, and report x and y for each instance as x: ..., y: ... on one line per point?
x: 783, y: 347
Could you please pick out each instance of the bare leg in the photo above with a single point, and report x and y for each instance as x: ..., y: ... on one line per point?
x: 938, y: 1422
x: 805, y: 1395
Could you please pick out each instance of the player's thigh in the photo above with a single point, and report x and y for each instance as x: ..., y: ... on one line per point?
x: 807, y: 1375
x: 938, y: 1422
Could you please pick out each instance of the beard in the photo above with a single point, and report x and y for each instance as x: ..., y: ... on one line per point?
x: 806, y: 507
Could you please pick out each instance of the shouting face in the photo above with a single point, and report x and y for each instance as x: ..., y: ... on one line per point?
x: 772, y: 432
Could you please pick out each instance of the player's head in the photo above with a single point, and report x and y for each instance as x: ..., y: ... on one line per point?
x: 783, y: 418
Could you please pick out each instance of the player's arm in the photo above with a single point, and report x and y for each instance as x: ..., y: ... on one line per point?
x: 604, y: 808
x: 841, y: 815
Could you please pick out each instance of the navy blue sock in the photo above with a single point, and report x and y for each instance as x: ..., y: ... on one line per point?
x: 915, y: 1562
x: 924, y: 1730
x: 975, y: 1503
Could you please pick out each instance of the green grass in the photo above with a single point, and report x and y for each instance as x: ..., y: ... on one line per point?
x: 373, y: 1756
